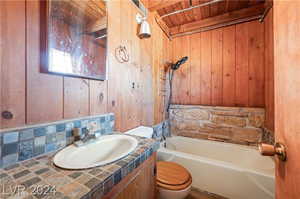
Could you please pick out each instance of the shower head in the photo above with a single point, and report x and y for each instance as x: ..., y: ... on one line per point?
x: 179, y: 63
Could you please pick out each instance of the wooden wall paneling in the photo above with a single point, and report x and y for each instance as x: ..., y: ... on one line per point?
x: 114, y: 67
x: 206, y: 62
x: 76, y: 97
x: 256, y: 64
x: 126, y: 82
x: 98, y: 97
x: 12, y: 60
x: 195, y: 58
x: 129, y: 106
x: 134, y: 101
x: 229, y: 66
x: 242, y: 52
x: 168, y: 60
x: 146, y: 83
x: 161, y: 75
x: 44, y: 93
x: 269, y: 71
x: 232, y: 66
x: 137, y: 61
x: 164, y: 74
x: 160, y: 56
x: 157, y: 51
x: 217, y: 68
x: 175, y: 56
x: 181, y: 81
x: 155, y: 73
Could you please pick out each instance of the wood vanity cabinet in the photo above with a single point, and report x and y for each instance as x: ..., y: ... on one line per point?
x: 139, y: 184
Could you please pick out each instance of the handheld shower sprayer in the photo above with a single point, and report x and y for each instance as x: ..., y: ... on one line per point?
x: 171, y: 73
x: 179, y: 63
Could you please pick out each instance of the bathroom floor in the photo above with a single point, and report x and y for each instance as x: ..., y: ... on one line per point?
x: 196, y: 194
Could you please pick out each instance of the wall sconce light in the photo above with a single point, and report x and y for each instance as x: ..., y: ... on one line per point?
x: 144, y: 31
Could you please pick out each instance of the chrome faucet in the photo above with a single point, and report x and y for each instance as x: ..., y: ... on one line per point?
x: 87, y: 136
x: 163, y: 140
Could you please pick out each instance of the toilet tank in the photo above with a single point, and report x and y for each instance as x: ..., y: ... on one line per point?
x: 141, y: 131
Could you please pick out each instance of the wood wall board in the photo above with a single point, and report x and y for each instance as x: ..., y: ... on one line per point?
x: 130, y: 109
x: 146, y: 83
x: 242, y: 64
x: 44, y: 92
x: 161, y: 53
x: 176, y: 81
x: 256, y: 64
x: 155, y: 72
x: 195, y: 58
x: 287, y: 95
x: 217, y: 68
x: 114, y: 67
x: 229, y: 66
x: 137, y: 64
x: 160, y: 62
x: 206, y: 65
x: 98, y: 97
x: 12, y: 60
x: 269, y: 71
x: 181, y: 78
x: 76, y: 97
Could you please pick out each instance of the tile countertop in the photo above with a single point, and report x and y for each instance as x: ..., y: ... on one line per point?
x: 39, y: 178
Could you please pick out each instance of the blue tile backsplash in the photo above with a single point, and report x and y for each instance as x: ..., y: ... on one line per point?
x: 27, y: 142
x: 10, y: 137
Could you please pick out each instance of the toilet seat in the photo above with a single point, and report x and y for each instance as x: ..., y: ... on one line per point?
x: 172, y: 176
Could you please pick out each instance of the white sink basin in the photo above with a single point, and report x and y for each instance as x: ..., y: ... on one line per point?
x: 104, y: 150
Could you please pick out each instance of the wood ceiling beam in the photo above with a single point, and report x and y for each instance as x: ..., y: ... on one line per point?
x: 224, y: 18
x: 162, y: 24
x: 154, y: 5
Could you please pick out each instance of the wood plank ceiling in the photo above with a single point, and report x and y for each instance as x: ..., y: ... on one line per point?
x: 221, y: 11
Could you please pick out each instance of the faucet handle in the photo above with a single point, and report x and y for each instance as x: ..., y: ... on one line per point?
x: 92, y: 127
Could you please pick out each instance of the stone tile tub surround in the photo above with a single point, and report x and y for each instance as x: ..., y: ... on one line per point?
x: 65, y: 184
x: 23, y: 143
x: 227, y: 124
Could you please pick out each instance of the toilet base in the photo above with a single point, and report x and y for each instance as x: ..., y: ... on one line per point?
x: 171, y: 194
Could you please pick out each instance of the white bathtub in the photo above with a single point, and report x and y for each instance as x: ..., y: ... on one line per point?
x: 229, y: 170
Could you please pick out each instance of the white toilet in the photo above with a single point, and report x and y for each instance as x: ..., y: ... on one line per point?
x: 173, y: 180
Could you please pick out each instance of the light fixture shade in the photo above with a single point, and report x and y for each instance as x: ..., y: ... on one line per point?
x: 145, y: 31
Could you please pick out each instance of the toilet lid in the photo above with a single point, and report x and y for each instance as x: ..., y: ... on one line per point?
x: 171, y: 173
